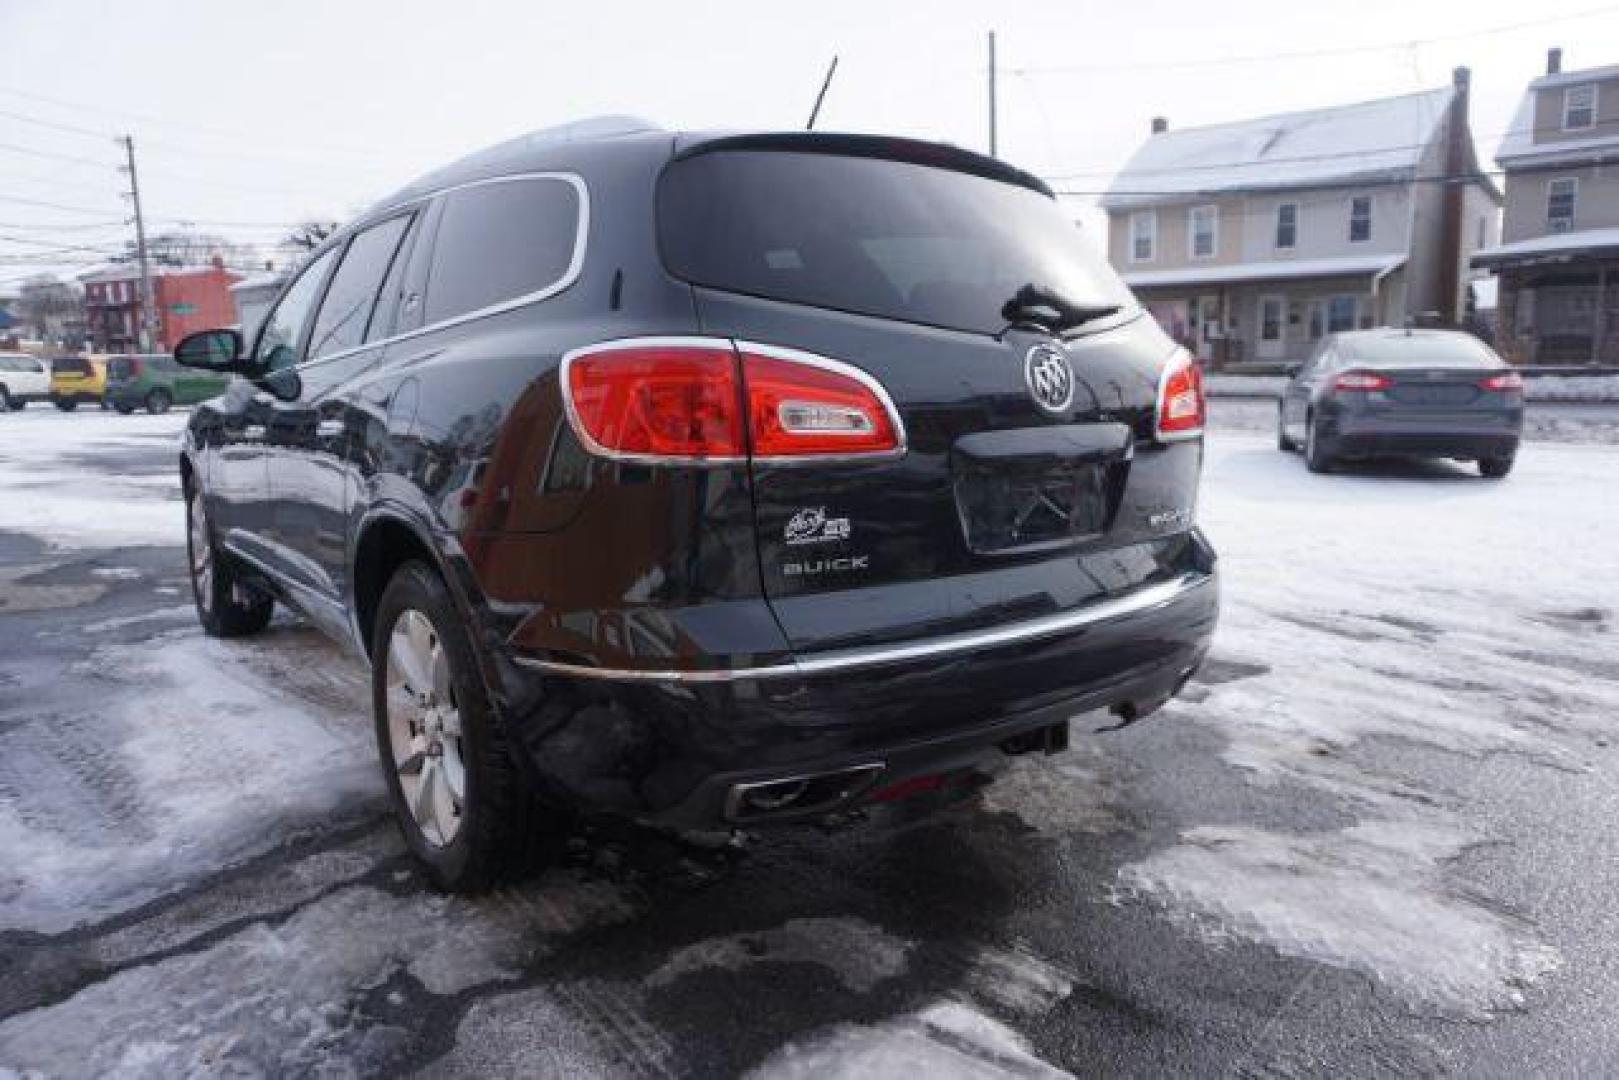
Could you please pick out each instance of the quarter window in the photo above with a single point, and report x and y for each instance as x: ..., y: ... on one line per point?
x: 1580, y: 107
x: 503, y: 241
x: 283, y: 330
x: 1202, y: 224
x: 1143, y: 236
x: 1561, y: 194
x: 1360, y: 219
x: 1287, y: 225
x: 346, y: 311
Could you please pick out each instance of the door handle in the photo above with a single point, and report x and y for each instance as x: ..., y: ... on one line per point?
x: 329, y: 429
x: 253, y: 433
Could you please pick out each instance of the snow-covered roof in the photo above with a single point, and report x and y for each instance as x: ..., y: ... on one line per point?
x: 259, y: 281
x: 1382, y: 139
x: 1565, y: 244
x: 131, y: 272
x: 1519, y: 144
x: 1271, y: 270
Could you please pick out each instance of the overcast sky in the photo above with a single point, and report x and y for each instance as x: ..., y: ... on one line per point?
x: 249, y: 117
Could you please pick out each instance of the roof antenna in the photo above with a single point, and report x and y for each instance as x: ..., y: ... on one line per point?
x: 826, y: 84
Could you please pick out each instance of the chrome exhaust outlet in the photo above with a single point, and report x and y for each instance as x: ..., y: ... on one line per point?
x: 805, y: 795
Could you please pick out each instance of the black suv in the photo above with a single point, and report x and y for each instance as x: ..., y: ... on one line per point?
x: 710, y: 480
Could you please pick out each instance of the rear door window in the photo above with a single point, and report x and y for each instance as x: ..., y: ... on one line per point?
x: 509, y: 240
x: 895, y: 239
x: 352, y: 297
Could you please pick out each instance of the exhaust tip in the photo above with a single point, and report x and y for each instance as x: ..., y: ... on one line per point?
x: 815, y: 793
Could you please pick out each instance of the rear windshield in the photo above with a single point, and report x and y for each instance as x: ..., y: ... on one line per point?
x: 1420, y: 350
x: 70, y: 366
x: 891, y: 239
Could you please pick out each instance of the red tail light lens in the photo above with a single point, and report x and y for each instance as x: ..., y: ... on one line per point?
x: 700, y: 400
x: 803, y: 406
x: 656, y: 399
x: 1506, y: 380
x: 1361, y: 380
x: 1182, y: 406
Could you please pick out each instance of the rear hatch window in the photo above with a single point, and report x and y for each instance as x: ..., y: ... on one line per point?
x: 70, y: 366
x: 121, y: 367
x: 872, y: 236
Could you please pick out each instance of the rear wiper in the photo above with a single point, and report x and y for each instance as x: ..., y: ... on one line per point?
x: 1048, y: 308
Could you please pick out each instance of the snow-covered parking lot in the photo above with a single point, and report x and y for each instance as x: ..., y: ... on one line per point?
x: 1375, y: 835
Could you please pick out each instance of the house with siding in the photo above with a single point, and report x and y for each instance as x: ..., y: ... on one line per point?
x: 1558, y: 261
x: 1251, y: 240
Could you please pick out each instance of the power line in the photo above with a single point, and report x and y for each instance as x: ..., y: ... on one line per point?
x: 1313, y: 54
x: 15, y: 149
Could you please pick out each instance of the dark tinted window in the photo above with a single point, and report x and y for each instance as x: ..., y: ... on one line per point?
x: 283, y: 328
x: 1418, y: 350
x: 352, y: 296
x: 500, y: 241
x: 897, y: 240
x: 70, y: 365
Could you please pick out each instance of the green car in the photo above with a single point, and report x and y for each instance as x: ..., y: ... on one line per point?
x: 155, y: 382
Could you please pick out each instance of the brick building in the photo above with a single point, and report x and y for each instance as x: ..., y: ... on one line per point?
x: 187, y: 299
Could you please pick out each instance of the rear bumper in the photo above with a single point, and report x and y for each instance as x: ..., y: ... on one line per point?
x: 671, y: 748
x: 1485, y: 434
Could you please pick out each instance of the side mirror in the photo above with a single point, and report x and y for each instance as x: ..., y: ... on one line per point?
x: 212, y: 350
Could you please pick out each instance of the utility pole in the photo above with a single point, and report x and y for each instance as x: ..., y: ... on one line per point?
x: 148, y: 305
x: 831, y: 70
x: 992, y: 93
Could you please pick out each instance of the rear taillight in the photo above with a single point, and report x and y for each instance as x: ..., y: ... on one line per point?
x: 1506, y: 380
x: 700, y: 400
x: 1361, y: 380
x: 1182, y: 407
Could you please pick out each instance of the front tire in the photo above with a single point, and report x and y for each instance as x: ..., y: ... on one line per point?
x: 66, y: 404
x: 124, y: 408
x: 460, y: 802
x: 5, y: 400
x: 158, y: 401
x: 1495, y: 467
x: 226, y: 606
x: 1283, y: 443
x: 1316, y: 458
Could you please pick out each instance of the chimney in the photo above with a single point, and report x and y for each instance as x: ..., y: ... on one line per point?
x: 217, y: 262
x: 1160, y: 124
x: 1461, y: 78
x: 1554, y: 61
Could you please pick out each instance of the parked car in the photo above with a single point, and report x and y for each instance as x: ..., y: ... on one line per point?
x: 76, y: 380
x: 1418, y: 393
x: 156, y: 382
x: 714, y: 481
x: 23, y: 378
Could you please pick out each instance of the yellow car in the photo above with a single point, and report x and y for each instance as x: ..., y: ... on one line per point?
x: 77, y: 378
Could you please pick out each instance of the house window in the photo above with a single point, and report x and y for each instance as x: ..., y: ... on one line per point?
x: 1341, y: 312
x: 1560, y: 196
x: 1314, y: 319
x: 1287, y: 225
x: 1201, y: 227
x: 1360, y: 219
x: 1143, y: 236
x: 1580, y: 107
x: 1481, y: 234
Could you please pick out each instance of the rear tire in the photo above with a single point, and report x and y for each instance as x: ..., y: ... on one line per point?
x: 158, y: 401
x: 226, y: 606
x: 447, y: 758
x: 5, y: 400
x: 1316, y: 458
x: 66, y: 404
x: 124, y: 408
x: 1495, y: 467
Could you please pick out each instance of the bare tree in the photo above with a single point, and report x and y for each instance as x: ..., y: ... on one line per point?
x: 183, y: 247
x: 309, y: 235
x: 46, y: 305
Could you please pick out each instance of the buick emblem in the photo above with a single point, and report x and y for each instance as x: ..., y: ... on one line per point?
x: 1050, y: 379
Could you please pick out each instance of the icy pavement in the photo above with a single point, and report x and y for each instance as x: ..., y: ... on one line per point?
x: 1384, y: 807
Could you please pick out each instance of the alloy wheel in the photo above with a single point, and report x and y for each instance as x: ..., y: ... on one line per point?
x: 202, y: 554
x: 424, y: 728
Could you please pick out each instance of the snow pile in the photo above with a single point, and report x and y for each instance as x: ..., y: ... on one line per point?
x: 1411, y: 605
x: 186, y: 754
x: 46, y: 491
x: 946, y: 1041
x: 1371, y: 898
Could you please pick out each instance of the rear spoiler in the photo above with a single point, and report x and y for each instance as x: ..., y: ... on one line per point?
x: 887, y: 148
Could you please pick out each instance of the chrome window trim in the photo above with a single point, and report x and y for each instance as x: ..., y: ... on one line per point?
x: 777, y: 352
x: 574, y: 270
x: 1142, y: 600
